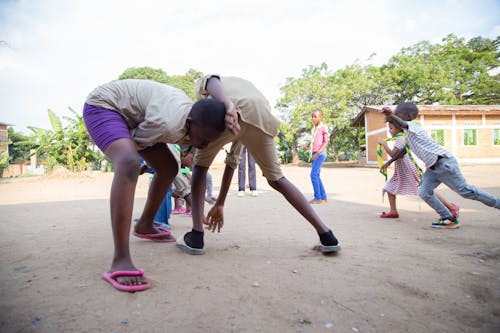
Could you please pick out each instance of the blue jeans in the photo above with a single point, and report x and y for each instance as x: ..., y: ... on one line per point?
x: 163, y: 214
x: 319, y: 190
x: 446, y: 171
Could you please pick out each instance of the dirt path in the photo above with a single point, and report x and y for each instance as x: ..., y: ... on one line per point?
x: 259, y: 274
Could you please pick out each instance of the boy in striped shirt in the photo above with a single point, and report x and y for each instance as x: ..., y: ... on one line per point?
x: 442, y: 167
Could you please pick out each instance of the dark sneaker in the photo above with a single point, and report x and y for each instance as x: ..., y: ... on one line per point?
x: 182, y: 244
x: 449, y: 223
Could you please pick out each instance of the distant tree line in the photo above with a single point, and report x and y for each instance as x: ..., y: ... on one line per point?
x: 455, y: 71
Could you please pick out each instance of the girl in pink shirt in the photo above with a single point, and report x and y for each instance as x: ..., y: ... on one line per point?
x: 318, y: 156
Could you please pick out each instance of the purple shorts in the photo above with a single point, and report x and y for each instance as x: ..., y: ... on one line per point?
x: 104, y: 126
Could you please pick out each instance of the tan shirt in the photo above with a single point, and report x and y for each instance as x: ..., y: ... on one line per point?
x: 250, y: 104
x: 154, y: 112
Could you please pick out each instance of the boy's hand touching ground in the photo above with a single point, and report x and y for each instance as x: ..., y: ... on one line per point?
x: 215, y: 218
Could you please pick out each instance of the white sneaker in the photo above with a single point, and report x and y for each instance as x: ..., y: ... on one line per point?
x: 241, y: 193
x: 254, y: 193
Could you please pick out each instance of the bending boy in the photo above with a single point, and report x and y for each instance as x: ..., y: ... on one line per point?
x: 258, y: 127
x: 129, y: 118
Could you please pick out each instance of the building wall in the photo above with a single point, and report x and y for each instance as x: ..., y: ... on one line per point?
x: 454, y: 127
x: 375, y: 128
x: 3, y: 138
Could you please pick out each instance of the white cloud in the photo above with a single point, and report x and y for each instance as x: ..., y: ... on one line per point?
x: 60, y: 50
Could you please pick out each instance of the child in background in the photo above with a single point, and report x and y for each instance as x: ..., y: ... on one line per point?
x: 406, y: 178
x: 318, y: 156
x: 442, y: 167
x: 247, y: 160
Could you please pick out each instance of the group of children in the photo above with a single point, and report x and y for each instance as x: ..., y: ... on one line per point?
x: 132, y: 118
x: 441, y: 167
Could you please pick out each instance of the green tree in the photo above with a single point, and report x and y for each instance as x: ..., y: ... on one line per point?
x: 69, y: 146
x: 184, y: 82
x: 339, y: 95
x: 454, y: 72
x: 19, y: 146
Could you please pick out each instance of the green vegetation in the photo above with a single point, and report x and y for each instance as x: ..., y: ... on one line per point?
x: 455, y: 71
x: 69, y: 146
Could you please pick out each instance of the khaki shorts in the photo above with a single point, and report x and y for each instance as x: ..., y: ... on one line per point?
x: 261, y: 145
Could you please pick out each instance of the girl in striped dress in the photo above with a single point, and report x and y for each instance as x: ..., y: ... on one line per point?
x: 406, y: 179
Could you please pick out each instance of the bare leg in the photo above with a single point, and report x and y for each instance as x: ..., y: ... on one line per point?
x: 165, y: 165
x: 125, y: 160
x: 198, y: 187
x: 299, y: 202
x: 392, y: 203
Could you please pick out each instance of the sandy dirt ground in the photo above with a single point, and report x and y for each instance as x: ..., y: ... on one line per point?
x: 260, y: 273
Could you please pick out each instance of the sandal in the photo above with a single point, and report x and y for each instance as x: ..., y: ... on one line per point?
x: 384, y: 215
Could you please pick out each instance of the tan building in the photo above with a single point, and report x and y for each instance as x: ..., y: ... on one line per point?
x: 4, y: 138
x: 470, y: 132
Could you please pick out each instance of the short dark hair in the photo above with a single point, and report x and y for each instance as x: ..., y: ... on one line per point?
x: 407, y: 108
x: 210, y: 113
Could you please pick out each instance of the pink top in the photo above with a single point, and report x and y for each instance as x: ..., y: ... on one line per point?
x: 318, y: 136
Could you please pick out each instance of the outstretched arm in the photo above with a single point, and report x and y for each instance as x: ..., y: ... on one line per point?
x: 391, y: 117
x: 214, y: 88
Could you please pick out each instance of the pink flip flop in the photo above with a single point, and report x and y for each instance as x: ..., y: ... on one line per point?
x: 111, y: 278
x: 158, y: 237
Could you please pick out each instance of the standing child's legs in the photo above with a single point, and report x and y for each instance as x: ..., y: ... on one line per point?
x: 319, y: 190
x: 448, y: 172
x: 242, y: 171
x: 393, y: 212
x: 252, y: 179
x: 392, y: 203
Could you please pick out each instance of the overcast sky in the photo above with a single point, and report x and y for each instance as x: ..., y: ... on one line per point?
x: 54, y: 52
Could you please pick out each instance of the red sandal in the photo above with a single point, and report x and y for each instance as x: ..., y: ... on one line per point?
x: 384, y: 215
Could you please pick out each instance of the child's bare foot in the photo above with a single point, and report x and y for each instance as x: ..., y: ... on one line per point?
x: 122, y: 269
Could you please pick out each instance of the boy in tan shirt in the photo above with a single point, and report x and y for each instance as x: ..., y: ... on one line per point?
x: 258, y: 128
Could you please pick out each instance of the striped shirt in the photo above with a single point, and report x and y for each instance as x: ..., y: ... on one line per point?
x: 423, y: 146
